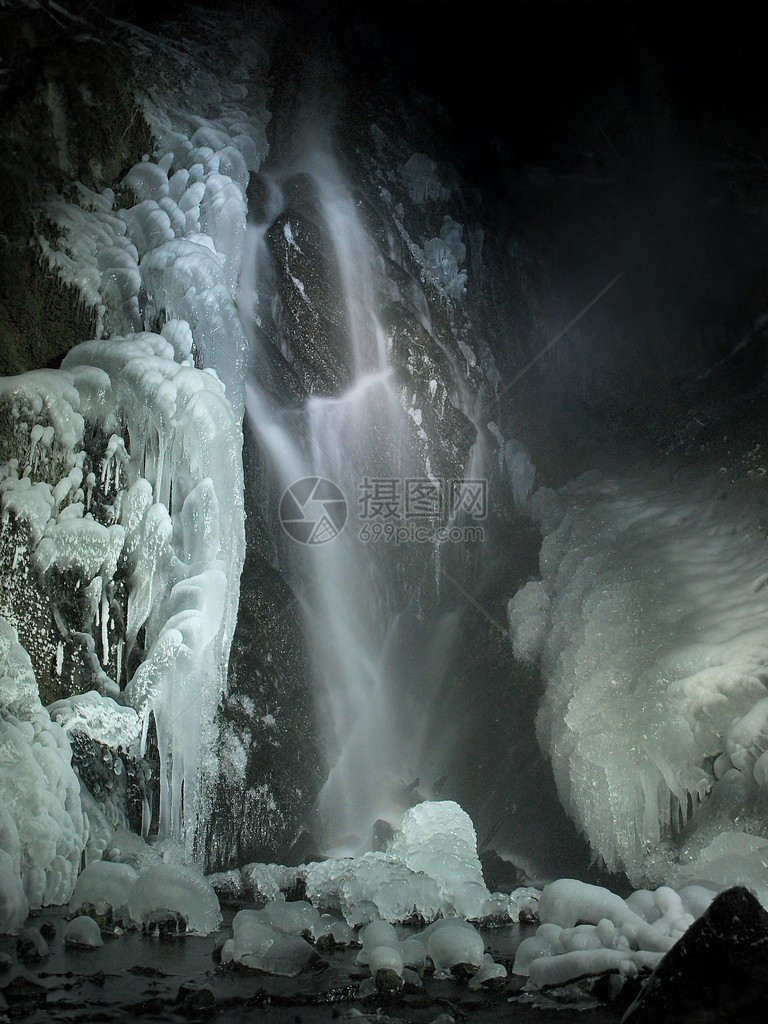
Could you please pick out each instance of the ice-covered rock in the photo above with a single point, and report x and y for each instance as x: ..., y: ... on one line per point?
x: 161, y: 250
x: 125, y: 847
x: 489, y: 973
x: 291, y: 918
x: 587, y: 931
x: 103, y: 887
x: 42, y: 828
x: 258, y: 944
x: 451, y: 943
x: 18, y: 686
x: 173, y: 891
x: 371, y: 886
x: 430, y: 867
x: 83, y: 933
x: 267, y: 881
x: 732, y: 858
x: 438, y: 839
x: 654, y: 668
x: 385, y: 958
x: 99, y: 717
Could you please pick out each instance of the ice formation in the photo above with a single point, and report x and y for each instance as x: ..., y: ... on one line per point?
x: 452, y: 942
x: 488, y: 973
x: 649, y: 627
x: 437, y: 838
x: 127, y: 467
x: 372, y: 886
x: 270, y: 940
x: 99, y: 717
x: 586, y: 930
x: 447, y: 943
x: 430, y: 867
x: 42, y: 828
x: 83, y: 933
x: 422, y: 179
x: 173, y: 891
x: 103, y: 888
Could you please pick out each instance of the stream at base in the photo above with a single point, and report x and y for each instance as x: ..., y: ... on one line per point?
x: 140, y: 977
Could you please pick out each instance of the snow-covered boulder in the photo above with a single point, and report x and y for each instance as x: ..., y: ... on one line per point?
x: 169, y: 892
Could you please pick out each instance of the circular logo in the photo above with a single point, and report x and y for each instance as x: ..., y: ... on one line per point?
x: 313, y: 510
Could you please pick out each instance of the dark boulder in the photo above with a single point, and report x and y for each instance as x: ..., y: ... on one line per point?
x: 23, y: 996
x: 717, y: 972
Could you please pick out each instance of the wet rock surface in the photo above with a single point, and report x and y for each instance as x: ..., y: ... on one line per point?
x: 718, y: 970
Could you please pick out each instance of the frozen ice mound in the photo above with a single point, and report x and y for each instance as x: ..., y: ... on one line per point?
x: 732, y: 858
x: 649, y: 628
x: 171, y: 484
x: 169, y: 891
x: 267, y: 881
x: 125, y: 847
x: 83, y: 933
x: 488, y: 973
x: 371, y: 886
x: 42, y: 828
x: 586, y: 930
x: 269, y: 940
x: 103, y: 887
x: 447, y: 943
x: 431, y: 867
x: 438, y: 839
x: 453, y: 942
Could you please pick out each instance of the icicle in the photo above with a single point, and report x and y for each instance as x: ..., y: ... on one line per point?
x: 104, y: 627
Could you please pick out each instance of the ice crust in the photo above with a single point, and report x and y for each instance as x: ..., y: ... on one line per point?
x: 143, y: 897
x: 648, y: 625
x: 103, y: 887
x: 99, y: 717
x: 84, y: 933
x: 586, y: 930
x: 270, y: 939
x: 43, y: 831
x: 174, y: 890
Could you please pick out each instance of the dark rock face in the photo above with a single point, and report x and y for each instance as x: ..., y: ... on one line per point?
x: 69, y: 114
x: 117, y: 781
x: 716, y: 973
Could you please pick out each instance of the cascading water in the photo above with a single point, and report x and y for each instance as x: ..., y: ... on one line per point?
x: 352, y: 594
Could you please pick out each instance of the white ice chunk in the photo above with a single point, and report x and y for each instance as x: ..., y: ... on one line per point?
x: 489, y: 971
x: 173, y: 889
x: 103, y: 886
x: 290, y: 918
x: 452, y: 942
x: 438, y: 839
x: 385, y: 958
x: 256, y: 943
x: 83, y: 933
x: 42, y: 828
x: 99, y: 717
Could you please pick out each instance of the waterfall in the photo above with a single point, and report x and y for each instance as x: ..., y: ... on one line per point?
x: 349, y: 591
